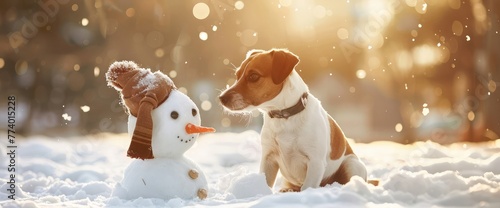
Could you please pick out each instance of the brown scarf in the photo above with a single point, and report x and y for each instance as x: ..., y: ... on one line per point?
x: 141, y: 92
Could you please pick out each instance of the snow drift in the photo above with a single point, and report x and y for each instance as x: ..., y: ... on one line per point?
x: 82, y: 172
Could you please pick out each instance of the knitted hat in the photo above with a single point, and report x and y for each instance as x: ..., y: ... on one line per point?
x: 141, y: 92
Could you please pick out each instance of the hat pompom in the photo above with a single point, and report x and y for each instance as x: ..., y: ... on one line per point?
x: 116, y: 69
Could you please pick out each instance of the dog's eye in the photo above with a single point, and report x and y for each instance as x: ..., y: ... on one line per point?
x: 253, y: 77
x: 174, y: 115
x: 194, y: 112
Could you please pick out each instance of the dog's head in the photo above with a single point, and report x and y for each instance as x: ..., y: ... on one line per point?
x: 259, y: 78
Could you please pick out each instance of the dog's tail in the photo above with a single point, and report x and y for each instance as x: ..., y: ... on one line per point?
x: 374, y: 182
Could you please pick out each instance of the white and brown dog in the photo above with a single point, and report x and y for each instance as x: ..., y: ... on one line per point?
x: 299, y: 138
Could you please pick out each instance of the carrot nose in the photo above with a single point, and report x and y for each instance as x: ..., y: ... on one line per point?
x: 193, y: 129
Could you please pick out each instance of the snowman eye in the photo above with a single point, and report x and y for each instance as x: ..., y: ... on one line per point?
x: 174, y: 115
x: 194, y: 112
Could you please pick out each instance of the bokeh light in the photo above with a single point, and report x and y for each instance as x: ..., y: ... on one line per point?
x: 130, y: 12
x: 361, y: 74
x: 97, y: 71
x: 203, y: 36
x: 21, y: 67
x: 342, y: 33
x: 285, y: 3
x: 201, y: 11
x: 226, y: 122
x: 85, y: 21
x: 159, y: 52
x: 398, y: 127
x: 206, y: 105
x: 172, y: 74
x: 239, y: 5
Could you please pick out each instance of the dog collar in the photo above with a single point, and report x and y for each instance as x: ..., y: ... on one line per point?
x: 286, y: 113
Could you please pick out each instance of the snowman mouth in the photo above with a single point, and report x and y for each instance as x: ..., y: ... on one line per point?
x: 186, y: 140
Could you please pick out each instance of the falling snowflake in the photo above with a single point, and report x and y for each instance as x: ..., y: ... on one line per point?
x: 425, y: 110
x: 85, y: 108
x: 66, y: 117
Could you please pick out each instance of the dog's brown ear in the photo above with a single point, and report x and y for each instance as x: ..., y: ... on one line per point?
x: 253, y: 51
x: 283, y: 63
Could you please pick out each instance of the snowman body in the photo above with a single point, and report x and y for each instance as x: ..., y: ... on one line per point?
x: 169, y: 174
x: 163, y: 178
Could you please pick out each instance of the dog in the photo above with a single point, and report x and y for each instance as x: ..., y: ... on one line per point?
x: 299, y: 138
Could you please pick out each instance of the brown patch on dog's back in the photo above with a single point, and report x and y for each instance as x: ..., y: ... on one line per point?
x: 338, y: 142
x: 340, y: 176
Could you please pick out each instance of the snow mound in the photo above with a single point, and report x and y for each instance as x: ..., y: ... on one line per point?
x: 83, y: 172
x: 250, y: 185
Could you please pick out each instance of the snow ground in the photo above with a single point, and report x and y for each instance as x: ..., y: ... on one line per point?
x: 82, y: 172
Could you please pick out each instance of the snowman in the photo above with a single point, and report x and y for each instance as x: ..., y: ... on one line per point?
x: 163, y: 123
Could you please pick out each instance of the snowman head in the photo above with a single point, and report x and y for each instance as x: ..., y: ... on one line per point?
x: 176, y: 126
x: 142, y: 92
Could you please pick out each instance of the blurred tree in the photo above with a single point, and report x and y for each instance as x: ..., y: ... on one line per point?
x: 436, y: 67
x: 436, y: 60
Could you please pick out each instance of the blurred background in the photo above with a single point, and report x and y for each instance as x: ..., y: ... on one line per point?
x: 399, y: 70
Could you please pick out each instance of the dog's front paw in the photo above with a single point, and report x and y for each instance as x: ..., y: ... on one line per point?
x: 285, y: 190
